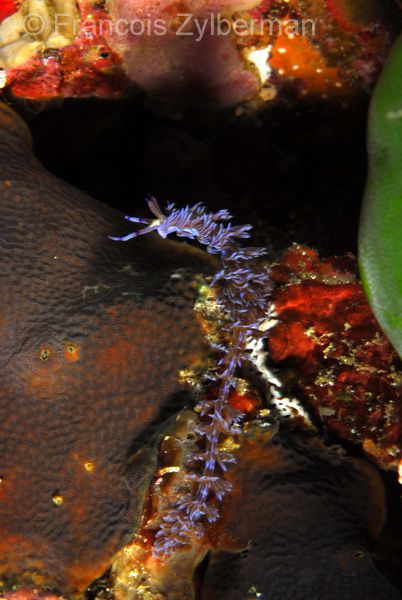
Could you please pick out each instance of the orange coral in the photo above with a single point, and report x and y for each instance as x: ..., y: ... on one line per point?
x: 297, y: 59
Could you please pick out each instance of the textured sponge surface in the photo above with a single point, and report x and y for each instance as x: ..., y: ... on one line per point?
x: 93, y: 335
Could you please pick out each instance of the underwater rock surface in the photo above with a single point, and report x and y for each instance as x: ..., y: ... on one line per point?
x: 93, y: 335
x: 303, y: 531
x: 333, y: 354
x: 194, y: 54
x: 298, y: 524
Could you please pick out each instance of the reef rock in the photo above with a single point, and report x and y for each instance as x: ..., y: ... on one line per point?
x: 297, y: 525
x: 333, y: 354
x: 94, y: 334
x: 194, y: 54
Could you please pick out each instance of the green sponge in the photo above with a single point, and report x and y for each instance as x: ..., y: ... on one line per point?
x: 380, y: 235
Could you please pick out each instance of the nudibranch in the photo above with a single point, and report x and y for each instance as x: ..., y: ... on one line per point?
x: 242, y: 291
x: 289, y: 483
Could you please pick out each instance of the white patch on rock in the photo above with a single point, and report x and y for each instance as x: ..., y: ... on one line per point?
x: 287, y: 407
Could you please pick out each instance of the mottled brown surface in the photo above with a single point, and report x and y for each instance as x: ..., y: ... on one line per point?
x: 297, y: 526
x: 93, y: 334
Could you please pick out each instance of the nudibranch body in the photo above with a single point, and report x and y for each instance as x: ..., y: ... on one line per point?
x: 242, y: 301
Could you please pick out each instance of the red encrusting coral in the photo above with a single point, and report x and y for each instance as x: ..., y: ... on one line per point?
x: 29, y: 594
x: 86, y: 67
x: 244, y: 403
x: 333, y: 353
x: 7, y: 8
x: 314, y: 48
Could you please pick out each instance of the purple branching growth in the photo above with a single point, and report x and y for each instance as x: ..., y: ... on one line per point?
x: 242, y: 291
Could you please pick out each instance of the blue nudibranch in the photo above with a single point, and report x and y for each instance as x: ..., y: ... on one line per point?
x: 242, y: 296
